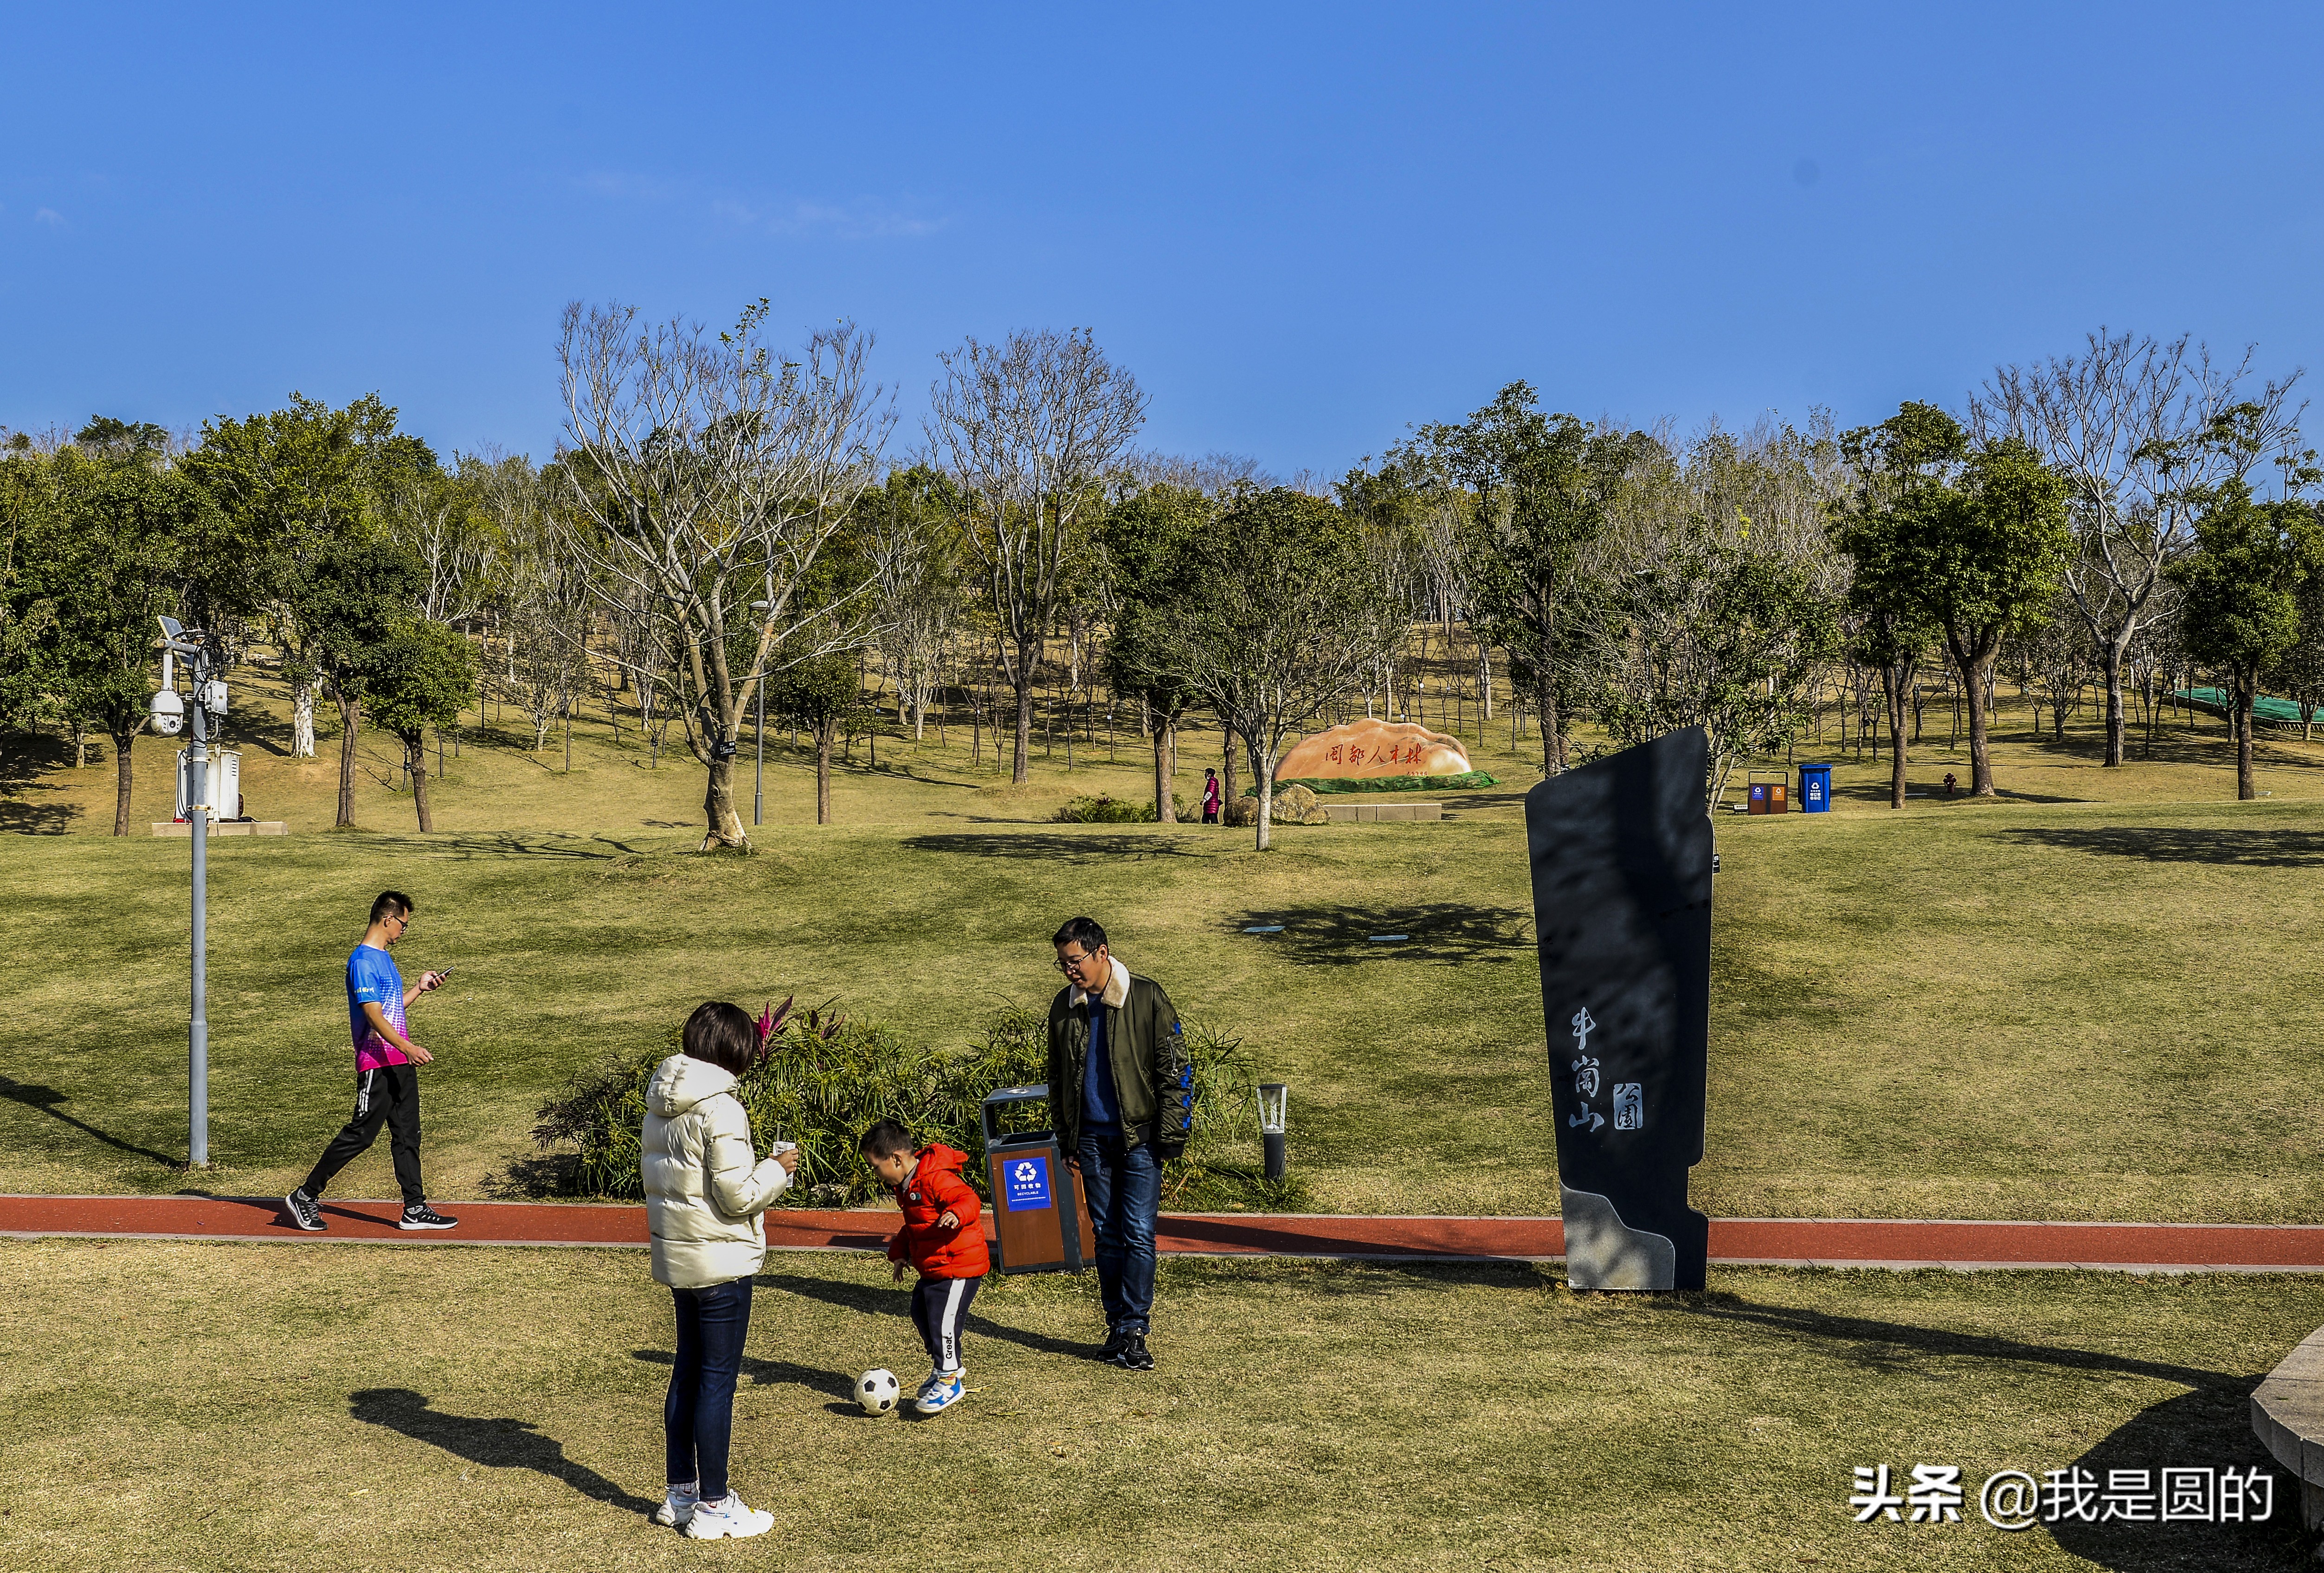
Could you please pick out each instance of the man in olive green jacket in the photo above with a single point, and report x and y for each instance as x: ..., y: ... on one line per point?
x: 1122, y: 1093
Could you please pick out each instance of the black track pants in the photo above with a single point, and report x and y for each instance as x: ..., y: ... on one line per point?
x: 940, y: 1310
x: 390, y: 1095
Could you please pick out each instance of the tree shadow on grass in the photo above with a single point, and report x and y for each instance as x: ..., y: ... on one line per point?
x: 510, y: 844
x: 250, y: 727
x: 2183, y: 844
x: 46, y: 1100
x: 24, y: 759
x: 882, y: 1301
x: 2207, y: 1426
x: 1050, y: 846
x: 1372, y: 1277
x: 35, y: 816
x: 1446, y: 933
x: 495, y: 1443
x: 771, y: 1373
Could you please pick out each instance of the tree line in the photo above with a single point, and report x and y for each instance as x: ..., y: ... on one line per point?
x: 730, y: 529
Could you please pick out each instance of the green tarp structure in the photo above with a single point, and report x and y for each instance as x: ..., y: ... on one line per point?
x: 2281, y: 712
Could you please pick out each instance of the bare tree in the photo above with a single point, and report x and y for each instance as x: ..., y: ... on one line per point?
x: 547, y: 611
x: 1278, y: 617
x: 917, y: 587
x: 441, y: 521
x: 1215, y: 475
x: 706, y: 475
x: 2135, y: 425
x: 1027, y: 430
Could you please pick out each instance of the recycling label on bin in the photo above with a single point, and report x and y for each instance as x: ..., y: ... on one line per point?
x: 1026, y: 1184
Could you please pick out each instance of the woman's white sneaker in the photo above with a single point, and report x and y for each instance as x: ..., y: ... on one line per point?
x: 677, y: 1507
x: 728, y: 1519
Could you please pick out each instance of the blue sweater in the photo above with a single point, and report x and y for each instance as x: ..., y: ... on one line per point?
x: 1101, y: 1106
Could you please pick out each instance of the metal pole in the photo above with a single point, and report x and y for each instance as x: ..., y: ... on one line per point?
x: 758, y: 771
x: 197, y: 818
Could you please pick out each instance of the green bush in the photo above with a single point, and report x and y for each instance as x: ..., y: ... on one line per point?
x: 1467, y: 780
x: 822, y: 1079
x: 1111, y: 811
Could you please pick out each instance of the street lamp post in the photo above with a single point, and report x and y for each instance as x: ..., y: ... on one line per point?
x: 168, y: 712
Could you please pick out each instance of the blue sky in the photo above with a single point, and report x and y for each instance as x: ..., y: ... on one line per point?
x: 1301, y: 227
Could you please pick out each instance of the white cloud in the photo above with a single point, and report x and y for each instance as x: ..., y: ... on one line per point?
x: 866, y: 219
x: 623, y: 186
x: 49, y: 216
x: 863, y: 219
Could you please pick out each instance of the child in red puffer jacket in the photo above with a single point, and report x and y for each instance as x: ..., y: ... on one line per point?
x: 942, y: 1237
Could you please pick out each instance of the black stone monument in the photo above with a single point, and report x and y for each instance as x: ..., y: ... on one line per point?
x: 1621, y: 861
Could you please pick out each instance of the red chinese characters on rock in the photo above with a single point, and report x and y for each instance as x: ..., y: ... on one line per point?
x: 1374, y: 748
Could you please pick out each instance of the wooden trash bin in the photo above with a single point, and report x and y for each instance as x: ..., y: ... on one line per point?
x: 1041, y: 1222
x: 1766, y: 792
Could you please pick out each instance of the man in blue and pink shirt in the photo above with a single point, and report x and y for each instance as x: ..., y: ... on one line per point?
x: 387, y: 1081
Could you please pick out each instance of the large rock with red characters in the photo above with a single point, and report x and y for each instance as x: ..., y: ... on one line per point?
x: 1374, y: 748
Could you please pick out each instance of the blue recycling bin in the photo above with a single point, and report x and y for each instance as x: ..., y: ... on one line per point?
x: 1815, y: 789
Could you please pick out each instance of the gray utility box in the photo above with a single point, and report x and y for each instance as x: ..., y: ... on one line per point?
x: 1040, y: 1223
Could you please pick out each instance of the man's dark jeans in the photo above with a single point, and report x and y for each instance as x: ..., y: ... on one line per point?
x: 699, y: 1413
x: 1124, y: 1188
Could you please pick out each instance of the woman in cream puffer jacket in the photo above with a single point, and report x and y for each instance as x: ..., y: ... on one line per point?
x: 705, y: 1184
x: 705, y: 1187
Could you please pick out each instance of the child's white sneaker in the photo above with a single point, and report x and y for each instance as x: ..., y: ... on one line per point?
x: 727, y: 1519
x: 940, y: 1391
x: 677, y: 1506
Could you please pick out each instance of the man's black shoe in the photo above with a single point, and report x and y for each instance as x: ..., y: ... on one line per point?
x: 1115, y: 1338
x: 424, y: 1216
x: 1134, y: 1355
x: 304, y: 1212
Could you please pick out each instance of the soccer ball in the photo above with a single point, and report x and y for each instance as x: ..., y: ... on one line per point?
x: 877, y: 1392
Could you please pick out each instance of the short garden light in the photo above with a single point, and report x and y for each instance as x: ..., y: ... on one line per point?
x: 1273, y: 1106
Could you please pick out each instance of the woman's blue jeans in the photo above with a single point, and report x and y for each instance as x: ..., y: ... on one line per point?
x: 699, y: 1413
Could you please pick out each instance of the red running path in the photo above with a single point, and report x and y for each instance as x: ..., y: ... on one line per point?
x: 1821, y: 1241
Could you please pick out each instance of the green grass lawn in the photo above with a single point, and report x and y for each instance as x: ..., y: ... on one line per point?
x: 2095, y: 998
x: 257, y: 1408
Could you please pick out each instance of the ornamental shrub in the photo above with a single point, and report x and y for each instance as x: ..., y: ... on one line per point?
x: 821, y: 1079
x: 1467, y: 780
x: 1111, y: 811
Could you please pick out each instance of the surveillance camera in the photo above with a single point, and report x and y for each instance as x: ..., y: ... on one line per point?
x: 168, y: 714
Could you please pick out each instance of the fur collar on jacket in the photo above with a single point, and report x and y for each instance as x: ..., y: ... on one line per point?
x: 1117, y: 988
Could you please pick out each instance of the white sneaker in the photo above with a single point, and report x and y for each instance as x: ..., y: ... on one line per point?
x: 677, y: 1507
x: 728, y: 1519
x: 943, y: 1391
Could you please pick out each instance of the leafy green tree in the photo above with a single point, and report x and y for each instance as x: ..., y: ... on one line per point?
x: 1897, y: 466
x: 1974, y: 537
x: 816, y: 692
x: 418, y: 677
x: 27, y: 609
x: 357, y: 597
x: 1543, y: 484
x: 293, y: 484
x: 1144, y: 537
x: 2241, y: 611
x: 113, y: 539
x: 2299, y: 672
x: 1280, y: 617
